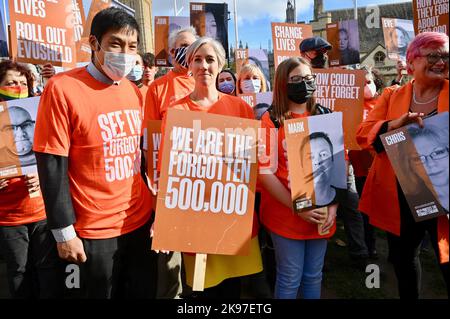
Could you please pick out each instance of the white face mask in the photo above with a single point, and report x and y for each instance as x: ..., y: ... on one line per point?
x: 117, y: 65
x: 370, y: 90
x: 251, y: 86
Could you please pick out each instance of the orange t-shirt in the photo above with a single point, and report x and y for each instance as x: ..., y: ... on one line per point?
x: 226, y: 105
x: 16, y: 205
x: 273, y: 214
x: 165, y: 91
x: 143, y: 89
x: 98, y: 127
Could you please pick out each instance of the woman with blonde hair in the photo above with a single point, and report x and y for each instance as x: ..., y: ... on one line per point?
x: 206, y: 58
x: 251, y: 80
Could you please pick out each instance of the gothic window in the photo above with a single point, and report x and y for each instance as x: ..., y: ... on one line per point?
x: 379, y: 58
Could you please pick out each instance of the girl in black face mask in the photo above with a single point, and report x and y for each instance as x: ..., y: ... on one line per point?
x: 292, y: 234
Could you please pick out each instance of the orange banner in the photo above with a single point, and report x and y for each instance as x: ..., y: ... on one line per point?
x: 207, y: 184
x: 343, y: 91
x: 153, y: 144
x: 431, y: 15
x: 42, y: 32
x: 286, y: 39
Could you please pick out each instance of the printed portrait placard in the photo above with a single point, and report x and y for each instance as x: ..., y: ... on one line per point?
x: 419, y: 157
x: 164, y: 26
x: 211, y: 20
x: 398, y: 33
x: 17, y: 123
x: 344, y: 39
x: 315, y: 151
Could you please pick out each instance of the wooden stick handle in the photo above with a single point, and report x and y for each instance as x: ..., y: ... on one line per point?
x: 319, y: 227
x: 199, y: 272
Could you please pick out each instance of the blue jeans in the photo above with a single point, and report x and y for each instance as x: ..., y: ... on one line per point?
x: 299, y: 265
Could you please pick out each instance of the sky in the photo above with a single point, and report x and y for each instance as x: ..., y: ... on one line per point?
x: 254, y: 16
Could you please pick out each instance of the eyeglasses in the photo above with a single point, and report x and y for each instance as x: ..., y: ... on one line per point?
x: 433, y: 58
x: 299, y: 78
x: 438, y: 154
x: 29, y: 124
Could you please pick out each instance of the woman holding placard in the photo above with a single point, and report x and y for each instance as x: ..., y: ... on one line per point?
x: 383, y: 200
x: 34, y: 269
x: 206, y: 58
x: 299, y: 248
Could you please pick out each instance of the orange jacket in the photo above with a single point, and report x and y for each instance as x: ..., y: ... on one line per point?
x: 379, y: 199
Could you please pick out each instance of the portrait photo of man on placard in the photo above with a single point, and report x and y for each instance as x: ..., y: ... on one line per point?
x: 17, y: 132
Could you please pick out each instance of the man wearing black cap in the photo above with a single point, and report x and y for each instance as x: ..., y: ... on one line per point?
x: 315, y: 51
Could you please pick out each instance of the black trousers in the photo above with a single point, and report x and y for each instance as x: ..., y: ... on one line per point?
x: 34, y: 269
x: 120, y: 267
x: 404, y: 251
x: 369, y: 230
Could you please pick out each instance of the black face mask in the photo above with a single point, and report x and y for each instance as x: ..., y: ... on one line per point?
x: 301, y: 92
x: 319, y: 61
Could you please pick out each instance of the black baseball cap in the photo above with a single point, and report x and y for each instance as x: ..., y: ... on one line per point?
x: 315, y: 44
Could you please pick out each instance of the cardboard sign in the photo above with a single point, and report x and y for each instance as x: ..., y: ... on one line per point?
x: 211, y: 20
x: 42, y: 32
x: 207, y: 184
x: 419, y: 157
x: 164, y: 26
x: 153, y: 133
x: 286, y: 39
x: 17, y: 122
x: 431, y: 15
x: 260, y: 102
x: 398, y: 34
x: 343, y: 91
x: 315, y: 151
x: 3, y: 38
x: 241, y: 58
x: 344, y: 38
x: 82, y: 42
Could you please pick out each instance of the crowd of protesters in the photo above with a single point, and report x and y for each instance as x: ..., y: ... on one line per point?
x: 72, y: 213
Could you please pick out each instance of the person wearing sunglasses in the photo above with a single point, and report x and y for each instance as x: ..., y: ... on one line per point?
x: 382, y: 199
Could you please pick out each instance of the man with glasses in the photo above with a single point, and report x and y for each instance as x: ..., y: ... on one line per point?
x: 18, y: 132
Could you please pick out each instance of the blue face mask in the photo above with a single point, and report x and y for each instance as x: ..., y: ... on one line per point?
x: 135, y: 73
x: 226, y: 87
